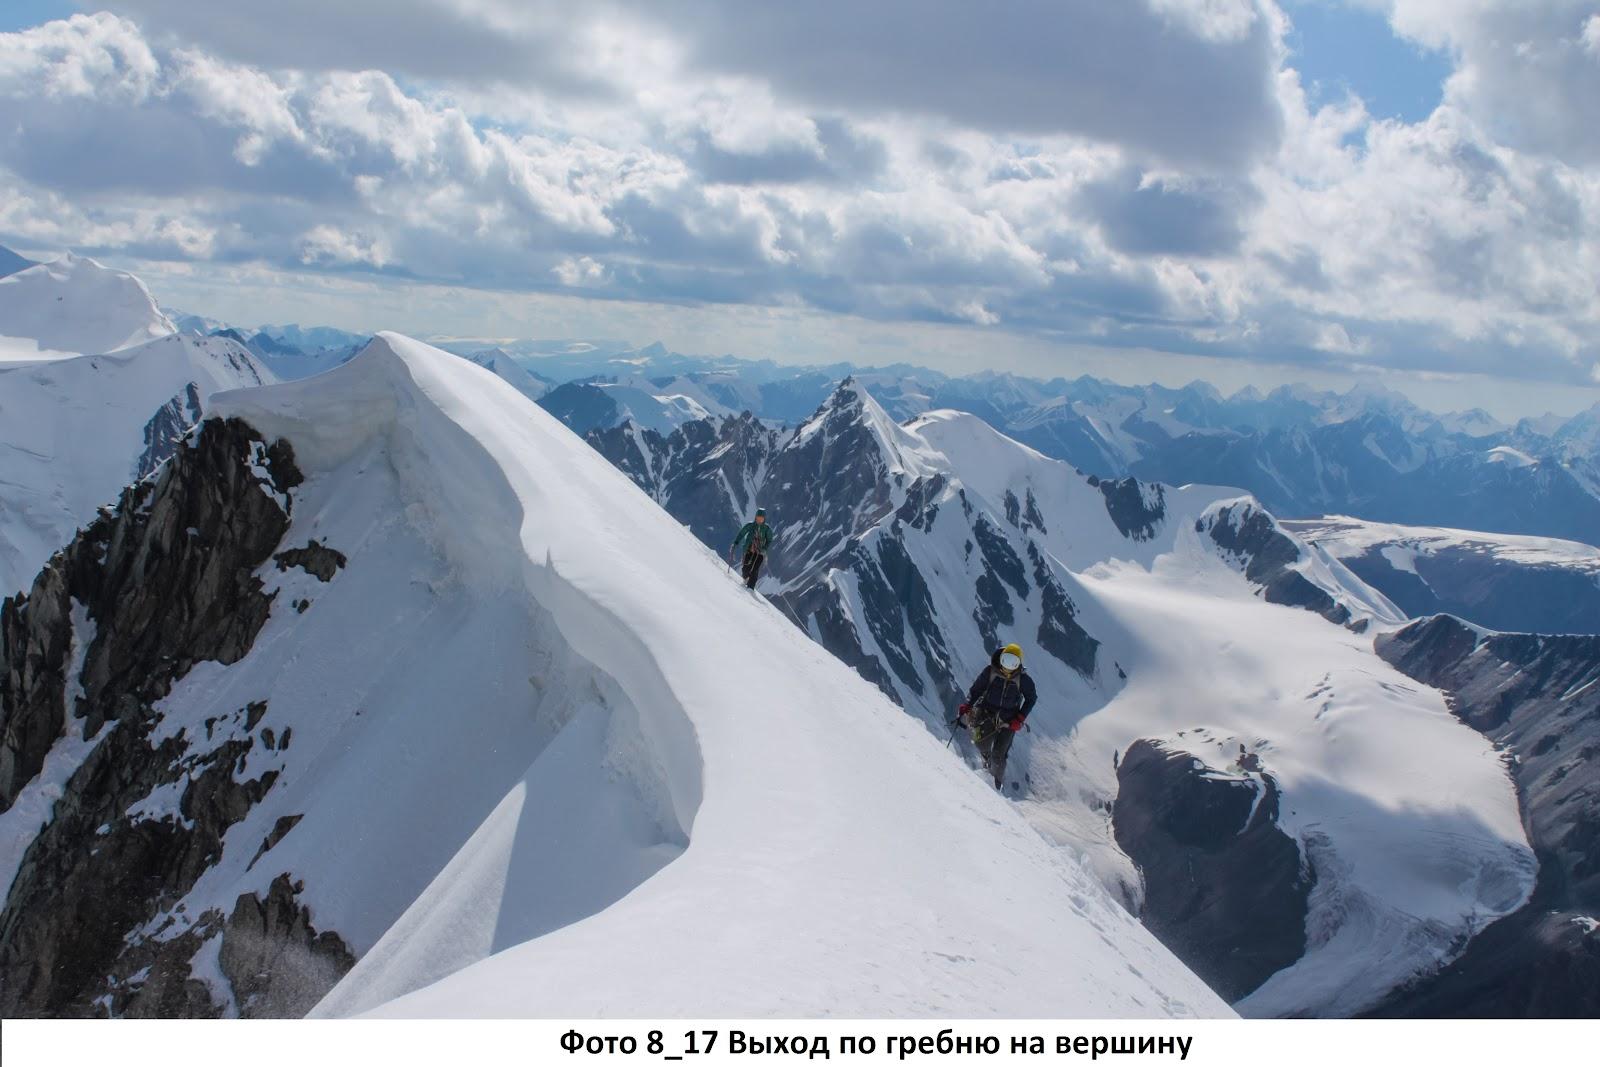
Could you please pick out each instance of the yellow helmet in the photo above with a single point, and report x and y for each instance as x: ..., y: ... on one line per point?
x: 1010, y: 650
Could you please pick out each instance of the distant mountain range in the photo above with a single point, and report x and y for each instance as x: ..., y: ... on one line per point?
x: 1302, y: 452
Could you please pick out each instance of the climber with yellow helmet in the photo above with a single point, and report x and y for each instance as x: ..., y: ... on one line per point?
x: 997, y: 705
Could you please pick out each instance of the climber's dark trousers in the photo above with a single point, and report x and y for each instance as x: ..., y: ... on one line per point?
x: 752, y: 568
x: 995, y: 745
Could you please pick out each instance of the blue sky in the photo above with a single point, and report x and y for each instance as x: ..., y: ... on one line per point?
x: 1341, y: 48
x: 1156, y: 189
x: 20, y: 14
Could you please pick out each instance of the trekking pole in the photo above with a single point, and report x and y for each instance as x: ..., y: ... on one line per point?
x: 955, y: 725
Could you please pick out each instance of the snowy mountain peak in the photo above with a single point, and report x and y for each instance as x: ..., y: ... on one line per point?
x: 851, y: 414
x: 75, y: 306
x: 506, y: 367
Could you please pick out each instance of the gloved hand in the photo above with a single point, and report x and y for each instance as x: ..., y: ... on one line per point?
x: 961, y: 713
x: 1016, y: 724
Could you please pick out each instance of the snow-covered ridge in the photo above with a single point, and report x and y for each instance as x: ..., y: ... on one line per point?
x: 814, y: 876
x: 74, y: 306
x: 1345, y: 536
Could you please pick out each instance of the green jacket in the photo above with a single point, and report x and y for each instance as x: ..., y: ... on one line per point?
x: 758, y: 535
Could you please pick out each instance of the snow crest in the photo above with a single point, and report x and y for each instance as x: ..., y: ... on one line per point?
x: 75, y: 306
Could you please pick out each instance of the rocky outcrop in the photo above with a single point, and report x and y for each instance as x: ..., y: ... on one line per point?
x: 1224, y: 887
x: 36, y: 643
x: 166, y: 428
x: 1060, y: 633
x: 277, y: 964
x: 1136, y: 507
x: 164, y: 581
x: 1268, y: 556
x: 315, y: 558
x: 704, y: 474
x: 1538, y: 699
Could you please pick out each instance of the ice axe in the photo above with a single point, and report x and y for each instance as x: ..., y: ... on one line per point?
x: 955, y: 724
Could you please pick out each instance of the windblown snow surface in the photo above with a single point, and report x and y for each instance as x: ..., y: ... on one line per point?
x: 553, y: 761
x: 74, y: 306
x: 1407, y: 816
x: 73, y: 431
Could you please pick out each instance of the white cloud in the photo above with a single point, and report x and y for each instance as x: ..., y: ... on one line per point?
x: 78, y: 57
x: 239, y: 97
x: 330, y: 245
x: 1213, y: 20
x: 1183, y: 80
x: 691, y: 177
x: 1526, y: 68
x: 577, y: 272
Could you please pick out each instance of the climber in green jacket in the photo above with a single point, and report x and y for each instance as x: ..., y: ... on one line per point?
x: 756, y: 537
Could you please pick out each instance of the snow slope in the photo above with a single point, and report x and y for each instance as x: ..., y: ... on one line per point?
x: 74, y: 431
x: 74, y: 306
x: 551, y: 772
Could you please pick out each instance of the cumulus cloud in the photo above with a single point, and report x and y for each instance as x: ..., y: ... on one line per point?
x: 330, y: 245
x: 1529, y: 70
x: 1181, y: 80
x: 1150, y: 214
x: 1144, y: 174
x: 86, y: 56
x: 475, y: 40
x: 580, y: 272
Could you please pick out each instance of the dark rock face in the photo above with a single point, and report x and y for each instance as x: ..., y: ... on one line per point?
x: 1268, y: 554
x: 35, y: 642
x: 315, y: 558
x: 1539, y: 699
x: 692, y: 471
x: 1060, y: 633
x: 167, y: 580
x: 1225, y: 888
x: 1137, y: 508
x: 830, y: 486
x: 581, y: 405
x: 166, y: 428
x: 277, y: 963
x: 850, y: 520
